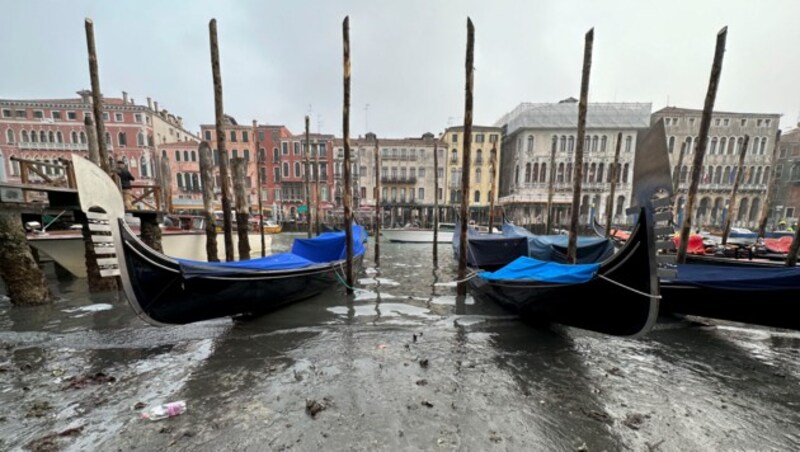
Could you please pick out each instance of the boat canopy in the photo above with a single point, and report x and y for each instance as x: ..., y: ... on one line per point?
x: 529, y: 269
x: 554, y: 247
x: 325, y: 248
x: 739, y: 278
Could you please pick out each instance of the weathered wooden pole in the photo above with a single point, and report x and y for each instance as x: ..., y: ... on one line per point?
x: 492, y: 190
x: 97, y: 98
x: 347, y: 196
x: 766, y: 208
x: 732, y: 211
x: 378, y: 213
x: 435, y: 201
x: 791, y: 257
x: 551, y: 190
x: 610, y: 200
x: 223, y: 153
x: 166, y: 183
x: 572, y: 247
x: 702, y: 139
x: 91, y: 141
x: 239, y: 167
x: 150, y: 231
x: 676, y: 180
x: 308, y: 178
x: 317, y: 174
x: 259, y: 167
x: 465, y: 160
x: 207, y: 179
x: 24, y: 279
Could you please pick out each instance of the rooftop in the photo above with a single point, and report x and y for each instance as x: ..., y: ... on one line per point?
x: 564, y: 115
x: 692, y: 111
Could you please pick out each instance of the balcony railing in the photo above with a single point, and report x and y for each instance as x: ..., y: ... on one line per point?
x: 398, y: 180
x: 54, y: 146
x: 479, y: 160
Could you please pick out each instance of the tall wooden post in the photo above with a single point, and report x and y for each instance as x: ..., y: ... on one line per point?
x: 572, y: 247
x: 91, y: 141
x: 224, y: 179
x: 166, y: 183
x: 435, y: 201
x: 97, y: 98
x: 610, y: 200
x: 465, y: 160
x: 347, y: 195
x: 550, y: 190
x: 676, y: 179
x: 791, y: 258
x: 732, y: 211
x: 317, y: 174
x: 242, y: 207
x: 702, y: 139
x: 207, y: 179
x: 308, y: 178
x: 260, y: 167
x: 492, y: 189
x: 150, y: 231
x: 766, y: 208
x: 24, y: 279
x: 378, y: 213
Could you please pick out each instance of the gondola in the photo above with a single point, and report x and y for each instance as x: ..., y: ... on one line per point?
x: 619, y: 296
x: 164, y: 290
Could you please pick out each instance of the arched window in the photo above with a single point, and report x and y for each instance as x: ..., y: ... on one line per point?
x: 571, y: 143
x: 42, y: 136
x: 83, y: 137
x: 108, y: 139
x: 726, y: 175
x: 756, y: 141
x: 179, y: 179
x: 143, y: 165
x: 560, y: 173
x: 671, y: 144
x: 275, y: 155
x: 554, y: 145
x: 599, y: 177
x: 527, y: 173
x: 74, y: 137
x: 628, y: 143
x: 542, y: 172
x: 718, y: 175
x: 454, y: 156
x: 122, y: 139
x: 592, y: 172
x: 766, y: 176
x: 535, y: 175
x: 24, y: 136
x: 625, y: 173
x: 563, y: 143
x: 477, y: 174
x: 140, y: 139
x: 246, y: 155
x: 193, y: 154
x: 285, y: 169
x: 195, y: 182
x: 763, y: 149
x: 59, y: 137
x: 478, y: 156
x: 751, y: 174
x: 594, y: 143
x: 177, y: 156
x: 620, y: 205
x: 731, y: 145
x: 758, y: 175
x: 296, y: 169
x: 477, y: 196
x: 516, y: 175
x: 163, y: 154
x: 722, y: 143
x: 10, y: 136
x: 262, y: 155
x: 34, y: 137
x: 186, y: 156
x: 51, y: 137
x: 530, y: 143
x: 569, y: 172
x: 603, y: 141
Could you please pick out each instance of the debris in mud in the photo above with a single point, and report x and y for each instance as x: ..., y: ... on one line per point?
x: 596, y: 415
x: 313, y: 408
x: 422, y: 382
x: 139, y: 405
x: 633, y: 421
x: 50, y: 443
x: 427, y: 404
x: 39, y: 409
x: 166, y: 429
x: 494, y: 437
x: 423, y: 362
x: 653, y: 447
x: 414, y: 338
x: 88, y: 380
x: 582, y: 448
x: 615, y: 371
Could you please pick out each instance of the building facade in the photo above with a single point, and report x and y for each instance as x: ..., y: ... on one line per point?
x: 406, y: 175
x: 289, y: 170
x: 725, y: 140
x: 787, y: 174
x: 486, y: 153
x: 532, y: 132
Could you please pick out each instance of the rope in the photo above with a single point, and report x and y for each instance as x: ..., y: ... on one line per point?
x: 341, y: 279
x: 638, y: 292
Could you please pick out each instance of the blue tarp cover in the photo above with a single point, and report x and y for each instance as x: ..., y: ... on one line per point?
x: 327, y: 247
x: 554, y: 247
x: 745, y: 278
x: 529, y: 269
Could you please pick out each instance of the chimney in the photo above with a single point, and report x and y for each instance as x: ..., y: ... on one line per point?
x: 155, y: 106
x: 180, y: 121
x: 149, y: 103
x: 132, y: 101
x: 86, y: 96
x: 124, y: 98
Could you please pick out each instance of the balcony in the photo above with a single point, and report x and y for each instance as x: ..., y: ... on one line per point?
x: 54, y: 146
x: 398, y: 180
x: 453, y: 159
x: 478, y: 160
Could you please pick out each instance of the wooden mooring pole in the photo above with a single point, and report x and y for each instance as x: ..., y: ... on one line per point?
x: 378, y: 213
x: 207, y: 179
x: 307, y: 155
x: 612, y: 193
x: 791, y: 257
x: 732, y: 211
x: 465, y: 160
x: 166, y: 183
x: 25, y: 281
x: 572, y: 244
x: 260, y: 158
x: 348, y: 187
x: 239, y: 167
x: 223, y: 153
x: 492, y: 189
x: 97, y: 98
x: 435, y: 202
x: 702, y: 139
x: 91, y: 141
x: 317, y: 175
x: 550, y: 190
x: 766, y: 208
x: 676, y: 181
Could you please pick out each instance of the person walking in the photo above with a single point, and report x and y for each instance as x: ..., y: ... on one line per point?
x: 125, y: 179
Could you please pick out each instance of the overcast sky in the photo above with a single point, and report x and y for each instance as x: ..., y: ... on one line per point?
x: 283, y: 60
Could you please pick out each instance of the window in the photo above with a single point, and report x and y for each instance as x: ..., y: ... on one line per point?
x: 296, y: 148
x: 594, y: 143
x: 246, y: 155
x: 275, y: 155
x: 477, y: 174
x: 285, y: 148
x: 717, y: 122
x: 527, y: 173
x: 21, y: 114
x: 493, y: 138
x: 140, y: 139
x: 177, y: 156
x: 108, y: 139
x: 137, y: 117
x: 763, y: 149
x: 479, y: 138
x: 726, y: 122
x: 42, y: 136
x: 477, y: 196
x: 245, y: 136
x: 7, y: 113
x: 83, y: 137
x: 233, y: 136
x: 671, y: 144
x: 24, y: 136
x: 542, y: 172
x: 285, y: 169
x: 713, y: 148
x: 778, y: 172
x: 118, y: 117
x: 455, y: 138
x: 122, y: 139
x: 207, y: 135
x: 185, y: 156
x: 530, y: 143
x: 625, y: 173
x: 628, y: 143
x: 71, y: 115
x: 766, y: 122
x: 10, y: 136
x: 143, y: 163
x: 179, y: 179
x: 56, y: 115
x: 744, y: 122
x: 453, y: 156
x: 234, y: 153
x: 51, y: 137
x: 105, y: 116
x: 194, y: 156
x: 296, y: 169
x: 758, y: 122
x: 564, y: 143
x: 39, y: 114
x: 422, y: 172
x: 603, y: 141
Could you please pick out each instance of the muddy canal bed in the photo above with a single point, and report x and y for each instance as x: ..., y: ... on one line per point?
x: 401, y: 365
